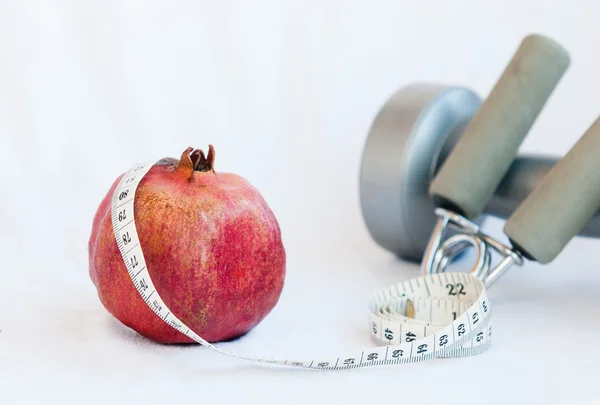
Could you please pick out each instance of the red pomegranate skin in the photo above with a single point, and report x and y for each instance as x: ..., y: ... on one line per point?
x: 213, y: 249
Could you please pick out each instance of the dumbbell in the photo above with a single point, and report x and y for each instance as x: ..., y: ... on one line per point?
x: 409, y: 140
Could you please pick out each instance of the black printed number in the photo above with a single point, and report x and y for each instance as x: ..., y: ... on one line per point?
x: 422, y: 348
x: 374, y: 328
x: 475, y: 318
x: 323, y: 364
x: 134, y: 262
x: 122, y: 216
x: 456, y: 289
x: 126, y: 238
x: 389, y: 335
x: 461, y: 329
x: 397, y: 353
x: 479, y: 337
x: 372, y: 356
x: 484, y: 305
x: 349, y: 361
x: 443, y: 340
x: 410, y: 337
x: 123, y: 194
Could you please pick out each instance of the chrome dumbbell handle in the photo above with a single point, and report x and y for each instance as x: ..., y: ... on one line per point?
x: 470, y: 175
x: 557, y: 208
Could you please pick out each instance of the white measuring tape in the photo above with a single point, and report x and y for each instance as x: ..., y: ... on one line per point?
x: 439, y: 315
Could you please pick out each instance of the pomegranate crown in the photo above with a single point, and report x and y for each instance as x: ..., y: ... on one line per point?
x: 195, y: 160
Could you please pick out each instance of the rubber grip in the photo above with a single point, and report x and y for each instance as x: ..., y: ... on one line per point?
x: 468, y: 178
x: 561, y: 204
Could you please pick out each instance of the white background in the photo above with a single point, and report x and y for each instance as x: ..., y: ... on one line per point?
x: 286, y: 91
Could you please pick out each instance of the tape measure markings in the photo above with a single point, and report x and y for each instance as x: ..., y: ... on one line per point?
x: 461, y: 328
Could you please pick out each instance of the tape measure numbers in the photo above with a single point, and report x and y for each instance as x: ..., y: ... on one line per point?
x: 439, y: 315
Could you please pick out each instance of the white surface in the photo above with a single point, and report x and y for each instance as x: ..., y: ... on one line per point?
x: 286, y: 92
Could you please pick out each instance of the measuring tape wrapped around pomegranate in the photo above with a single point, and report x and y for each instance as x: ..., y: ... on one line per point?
x: 210, y: 242
x: 182, y: 253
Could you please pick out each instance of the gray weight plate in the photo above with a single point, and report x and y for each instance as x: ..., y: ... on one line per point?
x: 410, y: 136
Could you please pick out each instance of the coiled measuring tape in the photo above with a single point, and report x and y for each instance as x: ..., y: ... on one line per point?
x: 438, y: 315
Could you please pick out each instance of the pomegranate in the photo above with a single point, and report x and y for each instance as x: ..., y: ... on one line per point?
x: 212, y: 246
